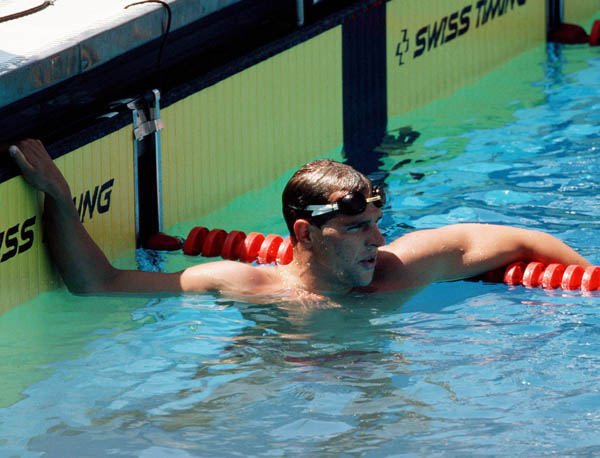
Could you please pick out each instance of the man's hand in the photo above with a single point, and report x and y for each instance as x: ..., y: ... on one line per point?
x: 38, y: 168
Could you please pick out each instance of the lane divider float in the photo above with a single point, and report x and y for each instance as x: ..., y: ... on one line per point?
x: 575, y: 34
x: 236, y: 245
x: 595, y: 34
x: 552, y: 276
x: 163, y: 242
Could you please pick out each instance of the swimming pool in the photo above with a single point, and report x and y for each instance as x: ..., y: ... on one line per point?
x: 461, y: 369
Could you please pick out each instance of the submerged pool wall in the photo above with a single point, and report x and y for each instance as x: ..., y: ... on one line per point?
x: 327, y: 87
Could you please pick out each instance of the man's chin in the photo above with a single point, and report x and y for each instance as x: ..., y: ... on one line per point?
x: 364, y: 282
x: 369, y: 288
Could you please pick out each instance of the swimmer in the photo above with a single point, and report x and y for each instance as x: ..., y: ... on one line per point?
x: 332, y: 212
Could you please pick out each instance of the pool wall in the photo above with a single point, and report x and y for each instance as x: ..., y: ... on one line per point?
x: 237, y: 127
x: 435, y: 48
x: 244, y: 131
x: 100, y: 175
x: 579, y: 11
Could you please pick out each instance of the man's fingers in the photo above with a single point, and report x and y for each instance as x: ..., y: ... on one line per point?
x: 19, y: 158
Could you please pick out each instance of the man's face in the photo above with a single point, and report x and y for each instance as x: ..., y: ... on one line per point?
x: 346, y: 248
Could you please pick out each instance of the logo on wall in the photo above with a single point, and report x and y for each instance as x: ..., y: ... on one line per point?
x: 19, y: 238
x: 16, y: 239
x: 96, y: 200
x: 451, y: 27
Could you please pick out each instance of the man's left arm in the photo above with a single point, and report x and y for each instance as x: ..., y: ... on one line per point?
x: 466, y: 250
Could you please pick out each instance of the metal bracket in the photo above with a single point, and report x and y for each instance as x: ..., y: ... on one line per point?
x: 146, y: 119
x: 147, y: 128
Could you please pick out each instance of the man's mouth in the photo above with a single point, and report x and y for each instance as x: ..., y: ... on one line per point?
x: 368, y: 262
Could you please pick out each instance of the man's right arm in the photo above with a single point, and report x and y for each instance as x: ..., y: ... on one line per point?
x: 82, y: 264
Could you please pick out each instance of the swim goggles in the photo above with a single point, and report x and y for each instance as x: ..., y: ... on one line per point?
x: 351, y: 204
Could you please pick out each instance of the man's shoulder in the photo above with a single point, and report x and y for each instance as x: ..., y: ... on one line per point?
x: 400, y: 264
x: 389, y: 271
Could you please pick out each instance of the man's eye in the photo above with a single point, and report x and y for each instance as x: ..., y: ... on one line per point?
x: 355, y: 229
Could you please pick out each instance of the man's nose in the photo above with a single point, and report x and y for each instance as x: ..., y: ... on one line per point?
x: 375, y: 237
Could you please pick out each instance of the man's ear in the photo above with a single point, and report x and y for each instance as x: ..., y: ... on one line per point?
x: 302, y: 232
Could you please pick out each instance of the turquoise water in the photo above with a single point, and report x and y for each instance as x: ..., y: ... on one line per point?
x: 462, y: 369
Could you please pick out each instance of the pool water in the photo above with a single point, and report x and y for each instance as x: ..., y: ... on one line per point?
x: 461, y: 369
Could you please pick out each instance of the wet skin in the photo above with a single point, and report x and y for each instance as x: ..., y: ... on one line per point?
x: 345, y: 249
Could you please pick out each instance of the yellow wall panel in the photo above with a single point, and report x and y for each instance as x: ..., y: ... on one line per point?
x: 100, y: 175
x: 580, y: 11
x: 435, y: 48
x: 24, y: 269
x: 243, y: 132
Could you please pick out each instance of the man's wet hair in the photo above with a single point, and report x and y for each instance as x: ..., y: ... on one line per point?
x: 313, y: 184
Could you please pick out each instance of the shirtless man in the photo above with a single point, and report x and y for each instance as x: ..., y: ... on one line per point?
x: 332, y: 212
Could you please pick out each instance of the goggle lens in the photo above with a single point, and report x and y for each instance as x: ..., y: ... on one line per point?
x: 351, y: 204
x: 355, y: 202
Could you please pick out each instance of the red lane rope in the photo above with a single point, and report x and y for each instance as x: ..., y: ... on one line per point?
x: 595, y: 34
x: 575, y: 34
x: 552, y: 276
x: 234, y: 246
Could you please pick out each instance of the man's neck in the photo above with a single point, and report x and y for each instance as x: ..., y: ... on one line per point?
x: 305, y: 272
